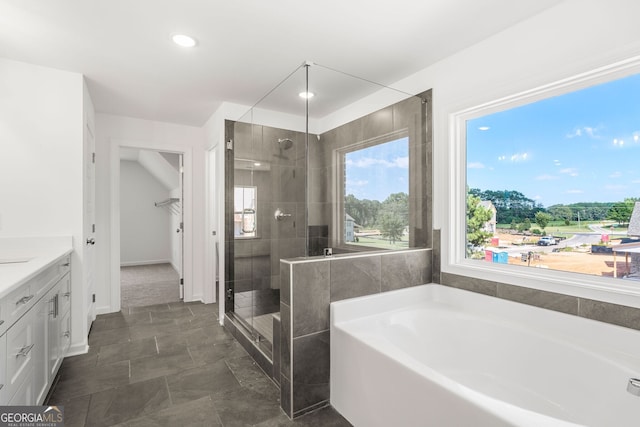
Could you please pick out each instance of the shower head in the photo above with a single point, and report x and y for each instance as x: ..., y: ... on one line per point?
x: 285, y: 143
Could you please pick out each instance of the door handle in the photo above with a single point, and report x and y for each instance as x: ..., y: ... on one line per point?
x: 91, y: 241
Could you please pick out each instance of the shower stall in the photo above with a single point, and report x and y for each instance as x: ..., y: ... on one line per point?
x: 295, y: 185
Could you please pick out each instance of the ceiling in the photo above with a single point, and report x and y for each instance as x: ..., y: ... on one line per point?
x: 245, y: 47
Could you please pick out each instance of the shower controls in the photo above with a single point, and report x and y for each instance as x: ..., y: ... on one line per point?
x: 279, y: 215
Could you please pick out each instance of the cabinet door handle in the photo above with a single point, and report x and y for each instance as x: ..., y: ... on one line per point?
x: 24, y: 351
x: 24, y: 300
x: 66, y: 334
x: 1, y: 322
x: 66, y: 264
x: 66, y: 294
x: 1, y: 386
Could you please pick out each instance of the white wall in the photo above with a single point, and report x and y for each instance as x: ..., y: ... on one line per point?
x: 572, y: 38
x: 115, y: 131
x: 41, y: 164
x: 144, y: 228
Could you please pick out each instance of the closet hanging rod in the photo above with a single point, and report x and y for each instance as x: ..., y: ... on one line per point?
x: 167, y: 202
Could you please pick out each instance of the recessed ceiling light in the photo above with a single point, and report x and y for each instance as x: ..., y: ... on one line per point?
x: 306, y: 95
x: 184, y: 40
x: 257, y: 164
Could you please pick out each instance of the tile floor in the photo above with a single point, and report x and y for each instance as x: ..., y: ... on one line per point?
x: 166, y: 365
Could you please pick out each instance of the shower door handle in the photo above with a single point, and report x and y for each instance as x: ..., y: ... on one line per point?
x: 279, y: 215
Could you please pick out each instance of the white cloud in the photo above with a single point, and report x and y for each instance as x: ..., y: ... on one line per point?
x: 519, y: 157
x: 636, y: 181
x: 537, y: 197
x: 546, y: 177
x: 569, y: 171
x: 475, y: 165
x: 616, y: 174
x: 366, y: 162
x: 589, y: 131
x: 574, y: 191
x: 615, y: 187
x: 359, y: 183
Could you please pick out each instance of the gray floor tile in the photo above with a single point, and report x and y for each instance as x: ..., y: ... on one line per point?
x: 149, y: 308
x: 200, y: 377
x: 108, y: 336
x: 245, y: 369
x: 80, y: 381
x: 197, y: 413
x: 248, y: 405
x: 128, y: 402
x: 175, y: 313
x: 75, y: 410
x: 130, y: 350
x: 160, y: 365
x: 213, y: 352
x: 201, y: 382
x: 325, y: 417
x: 161, y: 328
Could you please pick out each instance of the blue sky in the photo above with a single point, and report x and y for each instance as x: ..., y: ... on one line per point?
x: 579, y: 147
x: 376, y: 172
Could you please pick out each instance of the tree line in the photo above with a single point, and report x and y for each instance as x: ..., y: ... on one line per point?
x: 390, y: 216
x: 513, y: 207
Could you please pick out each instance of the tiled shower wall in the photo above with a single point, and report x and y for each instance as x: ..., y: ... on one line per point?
x: 308, y: 286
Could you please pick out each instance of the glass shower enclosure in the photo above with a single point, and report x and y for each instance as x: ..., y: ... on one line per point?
x: 287, y: 161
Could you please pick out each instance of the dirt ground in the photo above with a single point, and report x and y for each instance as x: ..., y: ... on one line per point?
x: 599, y: 265
x: 579, y: 262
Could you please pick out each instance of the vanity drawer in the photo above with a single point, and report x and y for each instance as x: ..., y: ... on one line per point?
x: 21, y: 348
x: 43, y: 281
x: 18, y: 303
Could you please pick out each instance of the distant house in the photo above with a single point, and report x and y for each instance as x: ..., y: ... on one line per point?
x: 631, y: 249
x: 349, y: 225
x: 490, y: 226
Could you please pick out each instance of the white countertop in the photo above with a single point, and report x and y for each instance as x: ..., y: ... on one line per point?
x: 41, y: 253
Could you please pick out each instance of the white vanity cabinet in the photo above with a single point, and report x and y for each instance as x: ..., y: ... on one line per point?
x: 34, y: 337
x: 3, y: 369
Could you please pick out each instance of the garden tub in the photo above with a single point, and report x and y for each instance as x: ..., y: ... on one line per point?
x: 433, y: 355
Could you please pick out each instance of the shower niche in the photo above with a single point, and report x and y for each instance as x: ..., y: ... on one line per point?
x: 323, y: 160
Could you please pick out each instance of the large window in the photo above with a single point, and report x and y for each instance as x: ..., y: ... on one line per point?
x: 555, y: 184
x: 376, y: 194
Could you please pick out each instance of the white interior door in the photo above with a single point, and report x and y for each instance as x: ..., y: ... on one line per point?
x: 89, y: 221
x: 181, y: 226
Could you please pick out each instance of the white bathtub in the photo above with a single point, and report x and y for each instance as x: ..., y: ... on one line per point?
x: 438, y: 356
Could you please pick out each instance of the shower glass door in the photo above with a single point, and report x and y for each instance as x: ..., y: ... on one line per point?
x: 269, y: 218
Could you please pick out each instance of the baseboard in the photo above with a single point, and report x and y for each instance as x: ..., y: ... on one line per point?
x: 77, y: 349
x: 134, y: 263
x: 104, y: 310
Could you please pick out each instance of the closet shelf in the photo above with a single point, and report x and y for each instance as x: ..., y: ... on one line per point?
x: 173, y: 204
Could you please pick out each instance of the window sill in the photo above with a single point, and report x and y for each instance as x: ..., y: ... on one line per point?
x: 615, y: 291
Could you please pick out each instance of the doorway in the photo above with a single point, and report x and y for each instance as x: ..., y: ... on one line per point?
x: 151, y: 227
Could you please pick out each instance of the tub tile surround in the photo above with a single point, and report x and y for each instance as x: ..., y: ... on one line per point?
x: 616, y: 314
x: 313, y: 283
